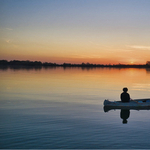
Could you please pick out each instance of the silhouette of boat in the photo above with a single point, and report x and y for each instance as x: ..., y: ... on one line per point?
x: 137, y: 104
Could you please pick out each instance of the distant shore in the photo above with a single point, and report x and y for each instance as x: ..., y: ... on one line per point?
x: 38, y: 64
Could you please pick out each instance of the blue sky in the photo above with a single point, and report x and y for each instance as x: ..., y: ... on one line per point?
x: 97, y: 31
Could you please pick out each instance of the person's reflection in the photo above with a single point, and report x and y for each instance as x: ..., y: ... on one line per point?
x: 124, y: 114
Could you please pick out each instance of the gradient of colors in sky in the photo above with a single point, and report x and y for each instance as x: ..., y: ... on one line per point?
x: 75, y: 31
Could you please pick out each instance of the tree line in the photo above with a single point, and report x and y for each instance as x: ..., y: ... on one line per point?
x: 27, y: 63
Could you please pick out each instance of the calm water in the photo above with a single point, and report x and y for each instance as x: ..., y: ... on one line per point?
x: 63, y: 108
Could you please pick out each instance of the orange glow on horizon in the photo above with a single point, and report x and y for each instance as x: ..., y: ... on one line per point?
x: 76, y: 55
x: 61, y: 60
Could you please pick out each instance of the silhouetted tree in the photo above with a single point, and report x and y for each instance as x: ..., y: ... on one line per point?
x: 148, y: 63
x: 3, y: 62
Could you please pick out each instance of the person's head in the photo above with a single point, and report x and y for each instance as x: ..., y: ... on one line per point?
x: 124, y: 121
x: 125, y: 89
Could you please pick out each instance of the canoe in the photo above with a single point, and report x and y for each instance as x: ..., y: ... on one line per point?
x: 137, y: 104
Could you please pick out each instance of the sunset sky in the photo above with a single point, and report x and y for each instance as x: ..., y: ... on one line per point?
x: 75, y: 31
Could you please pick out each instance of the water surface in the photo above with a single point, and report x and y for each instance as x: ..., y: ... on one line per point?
x: 63, y: 108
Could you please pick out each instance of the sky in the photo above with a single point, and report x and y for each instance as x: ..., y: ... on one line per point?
x: 75, y: 31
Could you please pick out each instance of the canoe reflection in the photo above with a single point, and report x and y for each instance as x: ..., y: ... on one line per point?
x: 124, y: 113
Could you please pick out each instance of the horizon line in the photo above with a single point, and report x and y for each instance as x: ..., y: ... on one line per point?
x: 147, y: 62
x: 46, y: 64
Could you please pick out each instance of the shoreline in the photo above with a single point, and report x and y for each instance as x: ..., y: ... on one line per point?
x: 38, y: 64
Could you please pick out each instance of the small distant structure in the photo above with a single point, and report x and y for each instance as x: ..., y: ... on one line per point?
x: 148, y: 63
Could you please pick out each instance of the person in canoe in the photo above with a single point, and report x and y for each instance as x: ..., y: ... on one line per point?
x: 125, y: 97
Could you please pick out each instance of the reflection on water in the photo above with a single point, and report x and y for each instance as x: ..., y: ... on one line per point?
x: 148, y: 70
x: 63, y: 108
x: 65, y: 68
x: 124, y: 114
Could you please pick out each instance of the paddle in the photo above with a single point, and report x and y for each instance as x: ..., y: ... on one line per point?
x: 143, y: 100
x: 134, y: 101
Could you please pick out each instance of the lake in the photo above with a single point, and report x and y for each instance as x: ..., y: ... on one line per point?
x: 57, y: 108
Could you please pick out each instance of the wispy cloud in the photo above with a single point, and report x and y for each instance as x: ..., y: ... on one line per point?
x: 139, y: 47
x: 8, y: 41
x: 10, y: 29
x: 11, y: 42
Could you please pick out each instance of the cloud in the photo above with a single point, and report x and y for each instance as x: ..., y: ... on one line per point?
x: 8, y: 41
x: 9, y: 29
x: 139, y: 47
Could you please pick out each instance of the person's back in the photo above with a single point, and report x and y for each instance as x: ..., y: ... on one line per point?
x: 125, y: 97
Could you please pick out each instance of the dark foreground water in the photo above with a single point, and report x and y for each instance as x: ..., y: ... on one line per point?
x: 57, y: 108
